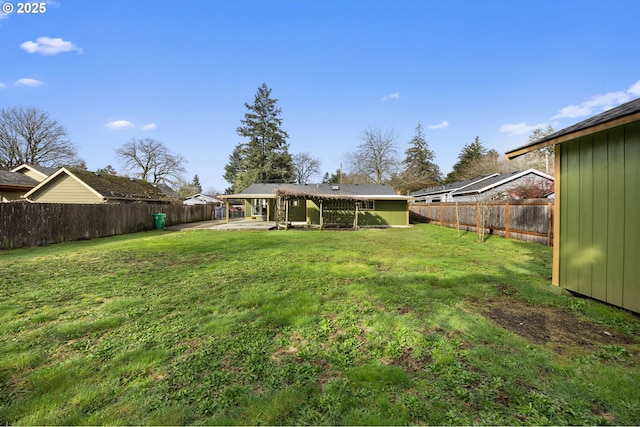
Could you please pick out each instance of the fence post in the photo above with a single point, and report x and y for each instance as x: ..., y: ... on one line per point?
x: 507, y: 220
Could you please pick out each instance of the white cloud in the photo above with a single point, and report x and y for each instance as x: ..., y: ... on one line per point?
x: 443, y: 124
x: 392, y: 96
x: 119, y: 124
x: 595, y: 105
x: 150, y: 126
x: 517, y: 128
x: 521, y: 128
x: 634, y: 89
x: 27, y: 82
x: 49, y: 46
x: 3, y: 86
x: 599, y: 103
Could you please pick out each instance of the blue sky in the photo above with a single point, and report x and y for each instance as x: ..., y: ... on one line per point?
x: 181, y: 71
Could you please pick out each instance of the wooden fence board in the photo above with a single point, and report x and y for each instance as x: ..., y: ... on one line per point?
x: 526, y: 220
x: 33, y: 224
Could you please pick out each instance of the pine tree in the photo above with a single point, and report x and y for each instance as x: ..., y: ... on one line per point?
x: 196, y: 184
x: 469, y: 154
x: 265, y: 157
x: 420, y: 169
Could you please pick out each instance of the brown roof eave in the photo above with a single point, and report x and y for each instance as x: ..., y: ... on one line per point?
x: 15, y: 187
x: 559, y: 139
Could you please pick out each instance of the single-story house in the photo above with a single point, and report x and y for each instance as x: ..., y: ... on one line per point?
x: 324, y: 205
x: 597, y: 193
x: 14, y: 185
x: 488, y: 187
x: 81, y: 186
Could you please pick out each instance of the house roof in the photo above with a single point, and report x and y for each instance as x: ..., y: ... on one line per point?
x: 9, y: 179
x: 621, y: 115
x: 497, y: 180
x: 109, y: 186
x: 42, y: 170
x: 324, y: 191
x: 120, y: 187
x: 451, y: 187
x: 203, y: 197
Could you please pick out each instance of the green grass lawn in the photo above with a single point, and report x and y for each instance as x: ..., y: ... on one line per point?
x: 398, y: 326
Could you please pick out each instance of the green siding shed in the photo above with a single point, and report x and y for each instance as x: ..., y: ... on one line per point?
x: 598, y: 206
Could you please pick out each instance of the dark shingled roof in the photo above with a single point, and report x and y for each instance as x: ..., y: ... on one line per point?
x: 494, y: 180
x: 120, y: 187
x: 16, y: 179
x: 624, y: 110
x: 326, y: 191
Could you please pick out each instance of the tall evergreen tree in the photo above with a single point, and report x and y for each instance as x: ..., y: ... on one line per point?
x: 265, y: 156
x: 234, y: 167
x: 196, y: 184
x: 470, y: 153
x: 420, y: 169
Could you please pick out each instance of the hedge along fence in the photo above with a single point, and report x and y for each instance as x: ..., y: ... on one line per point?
x: 33, y: 224
x: 530, y: 220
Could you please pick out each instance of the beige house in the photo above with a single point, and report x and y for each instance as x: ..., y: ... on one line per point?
x: 84, y: 187
x: 38, y: 173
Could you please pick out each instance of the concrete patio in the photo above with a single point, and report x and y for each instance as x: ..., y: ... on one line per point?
x: 221, y: 224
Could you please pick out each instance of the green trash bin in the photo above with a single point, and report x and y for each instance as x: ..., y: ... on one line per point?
x: 160, y: 220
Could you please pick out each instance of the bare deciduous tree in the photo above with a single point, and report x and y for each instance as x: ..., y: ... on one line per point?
x: 151, y: 160
x: 304, y: 167
x: 375, y: 157
x: 29, y: 135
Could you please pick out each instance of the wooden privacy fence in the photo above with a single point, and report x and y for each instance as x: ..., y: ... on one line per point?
x: 32, y: 224
x: 530, y: 220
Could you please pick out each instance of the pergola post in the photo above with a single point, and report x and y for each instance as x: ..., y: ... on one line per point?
x: 226, y: 203
x: 355, y: 221
x: 321, y: 215
x: 286, y: 214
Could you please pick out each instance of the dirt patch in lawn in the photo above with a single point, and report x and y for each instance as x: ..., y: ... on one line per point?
x: 543, y: 325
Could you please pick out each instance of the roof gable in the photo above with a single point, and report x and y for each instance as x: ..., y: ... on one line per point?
x: 40, y: 173
x: 105, y: 186
x: 119, y: 187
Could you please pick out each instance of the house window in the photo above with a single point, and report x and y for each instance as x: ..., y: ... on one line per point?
x: 295, y: 203
x: 367, y: 205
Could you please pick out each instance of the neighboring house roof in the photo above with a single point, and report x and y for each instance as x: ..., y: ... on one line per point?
x: 323, y: 191
x: 621, y: 115
x: 487, y: 184
x: 16, y: 180
x: 168, y: 191
x: 107, y: 187
x: 451, y: 187
x: 36, y: 171
x: 201, y: 199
